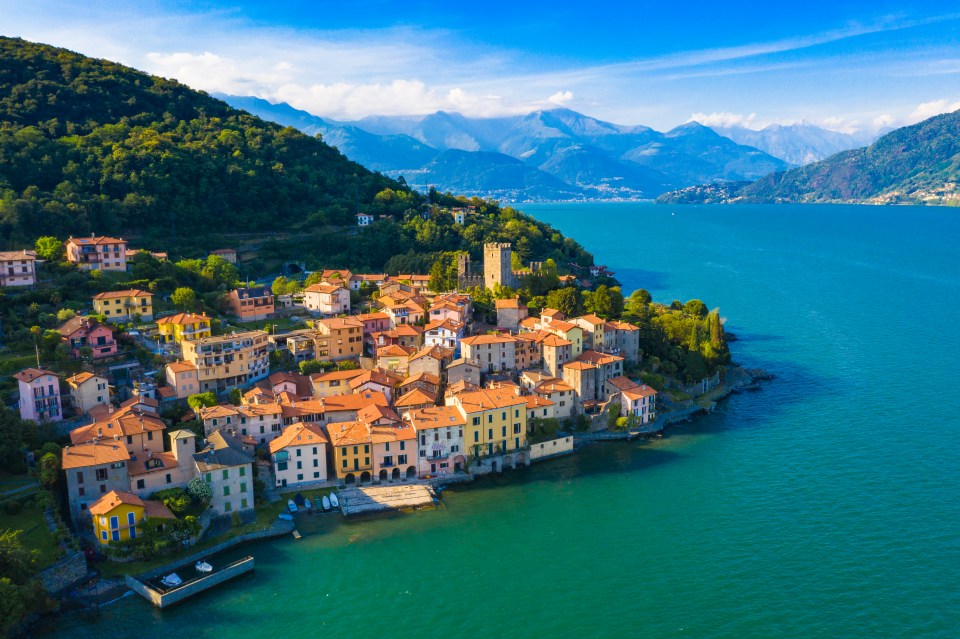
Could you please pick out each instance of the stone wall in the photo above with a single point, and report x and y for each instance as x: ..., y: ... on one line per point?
x: 551, y: 448
x: 163, y: 600
x: 65, y: 574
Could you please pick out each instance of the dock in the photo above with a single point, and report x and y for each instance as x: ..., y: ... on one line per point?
x: 161, y: 596
x: 373, y: 499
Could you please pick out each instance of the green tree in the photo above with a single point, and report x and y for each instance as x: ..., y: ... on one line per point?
x: 202, y: 400
x: 200, y: 491
x: 49, y: 248
x: 236, y: 396
x: 49, y: 470
x: 567, y: 300
x: 695, y: 308
x: 184, y: 298
x: 311, y: 366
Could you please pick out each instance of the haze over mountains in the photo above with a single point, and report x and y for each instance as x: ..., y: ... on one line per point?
x: 553, y: 154
x: 798, y: 144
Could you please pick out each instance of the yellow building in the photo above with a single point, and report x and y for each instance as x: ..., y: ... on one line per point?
x: 352, y: 458
x: 183, y: 326
x: 120, y: 516
x: 226, y: 361
x: 338, y: 338
x: 122, y: 306
x: 496, y: 421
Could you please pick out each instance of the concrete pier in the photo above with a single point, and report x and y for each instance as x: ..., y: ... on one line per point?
x: 162, y: 597
x: 372, y: 499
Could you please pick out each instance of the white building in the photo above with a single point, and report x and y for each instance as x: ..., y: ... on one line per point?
x: 327, y: 299
x: 228, y: 468
x: 299, y: 455
x: 440, y: 447
x: 150, y: 472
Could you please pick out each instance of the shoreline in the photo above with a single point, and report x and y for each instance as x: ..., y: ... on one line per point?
x: 738, y: 379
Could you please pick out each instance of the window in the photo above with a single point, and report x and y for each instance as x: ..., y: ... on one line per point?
x: 101, y: 474
x: 208, y: 478
x: 516, y: 429
x: 403, y: 445
x: 142, y: 484
x: 243, y: 471
x: 299, y: 465
x: 366, y: 448
x: 226, y: 473
x: 316, y: 463
x: 103, y: 535
x: 316, y: 475
x: 79, y: 476
x: 226, y: 491
x: 131, y: 519
x: 243, y: 487
x: 401, y: 459
x: 476, y: 436
x: 281, y: 466
x: 169, y: 479
x: 476, y: 421
x: 489, y: 433
x: 344, y: 463
x: 227, y: 507
x: 81, y: 491
x: 114, y: 522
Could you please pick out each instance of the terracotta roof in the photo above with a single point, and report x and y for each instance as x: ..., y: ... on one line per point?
x: 156, y: 510
x: 30, y: 374
x: 79, y: 378
x: 299, y: 434
x: 461, y: 386
x: 622, y: 383
x: 639, y: 392
x: 355, y: 401
x: 435, y: 351
x: 130, y: 292
x: 8, y: 256
x: 552, y: 313
x: 364, y: 317
x: 348, y: 433
x: 334, y: 323
x: 93, y: 454
x: 556, y: 341
x: 415, y: 397
x: 591, y: 319
x: 486, y: 399
x: 94, y: 240
x: 436, y: 417
x: 449, y: 324
x: 623, y: 326
x: 77, y: 323
x: 535, y: 401
x: 182, y: 319
x: 552, y: 386
x: 577, y: 365
x: 423, y: 376
x: 530, y: 323
x: 220, y: 410
x: 167, y: 392
x: 460, y: 361
x: 395, y: 350
x: 509, y: 303
x: 560, y: 325
x: 324, y: 288
x: 408, y: 330
x: 124, y: 425
x: 335, y: 375
x: 477, y: 340
x: 598, y: 358
x: 113, y: 499
x: 373, y: 376
x: 373, y: 412
x: 181, y: 366
x: 157, y: 462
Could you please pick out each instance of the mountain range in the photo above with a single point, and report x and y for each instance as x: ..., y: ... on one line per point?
x: 798, y: 144
x: 548, y: 154
x: 911, y: 165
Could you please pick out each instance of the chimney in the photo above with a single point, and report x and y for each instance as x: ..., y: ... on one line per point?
x: 99, y: 432
x: 116, y: 437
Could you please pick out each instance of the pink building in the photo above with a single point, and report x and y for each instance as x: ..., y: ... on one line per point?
x: 80, y: 332
x: 39, y: 395
x: 97, y: 253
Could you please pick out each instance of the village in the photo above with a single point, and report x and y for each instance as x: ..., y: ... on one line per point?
x: 412, y: 391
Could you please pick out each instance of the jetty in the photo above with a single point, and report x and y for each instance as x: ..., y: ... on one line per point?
x: 160, y: 595
x: 373, y: 499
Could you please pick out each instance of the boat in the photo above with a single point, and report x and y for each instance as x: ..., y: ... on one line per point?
x: 299, y: 500
x: 326, y: 503
x: 203, y: 566
x: 172, y: 580
x: 307, y: 503
x: 334, y: 501
x: 285, y: 516
x: 291, y: 506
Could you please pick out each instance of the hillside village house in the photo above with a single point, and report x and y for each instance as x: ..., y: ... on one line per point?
x: 439, y: 438
x: 589, y: 373
x: 183, y: 378
x: 463, y: 369
x: 364, y: 219
x: 176, y: 328
x: 262, y: 422
x: 333, y: 383
x: 82, y: 332
x: 226, y: 361
x: 17, y: 268
x: 490, y: 352
x: 124, y: 306
x: 640, y: 402
x: 496, y: 423
x: 509, y: 313
x: 228, y: 254
x: 326, y: 299
x: 251, y: 304
x: 429, y: 359
x: 338, y: 338
x: 299, y: 455
x: 151, y: 472
x: 39, y: 395
x: 121, y: 516
x: 88, y: 390
x: 134, y: 425
x: 92, y: 470
x: 446, y: 333
x: 97, y: 253
x: 393, y: 443
x: 414, y: 399
x: 228, y: 468
x: 350, y: 443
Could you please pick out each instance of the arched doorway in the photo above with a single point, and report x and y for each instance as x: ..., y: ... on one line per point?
x: 458, y: 463
x: 364, y: 477
x: 350, y: 478
x: 521, y: 460
x: 493, y: 465
x: 383, y: 474
x: 396, y: 473
x: 508, y: 462
x: 411, y: 472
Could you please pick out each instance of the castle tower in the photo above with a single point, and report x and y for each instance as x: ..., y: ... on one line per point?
x: 497, y: 267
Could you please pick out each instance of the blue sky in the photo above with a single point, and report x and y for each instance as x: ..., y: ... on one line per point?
x: 846, y: 65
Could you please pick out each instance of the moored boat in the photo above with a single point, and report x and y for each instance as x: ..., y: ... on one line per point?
x: 292, y: 507
x: 326, y: 503
x: 203, y: 566
x: 172, y: 580
x: 307, y: 503
x: 285, y: 516
x: 334, y: 501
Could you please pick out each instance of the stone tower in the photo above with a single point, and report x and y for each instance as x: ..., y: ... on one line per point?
x: 497, y: 265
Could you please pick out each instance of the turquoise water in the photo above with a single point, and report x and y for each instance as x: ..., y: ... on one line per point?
x: 825, y: 505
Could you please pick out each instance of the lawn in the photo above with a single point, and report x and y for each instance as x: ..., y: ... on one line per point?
x: 35, y: 535
x: 11, y: 482
x: 265, y: 516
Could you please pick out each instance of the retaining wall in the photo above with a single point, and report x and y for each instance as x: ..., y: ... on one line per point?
x: 551, y: 448
x: 65, y: 574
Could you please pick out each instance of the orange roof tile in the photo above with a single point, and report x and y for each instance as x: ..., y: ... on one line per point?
x: 299, y: 434
x: 486, y: 399
x: 130, y: 292
x: 30, y: 374
x: 436, y: 417
x: 415, y: 397
x: 93, y: 454
x: 182, y: 319
x: 395, y: 350
x: 113, y: 499
x: 477, y: 340
x: 348, y: 433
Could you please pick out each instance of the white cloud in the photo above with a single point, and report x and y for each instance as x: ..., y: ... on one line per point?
x: 725, y: 119
x: 561, y: 97
x: 884, y: 121
x: 930, y: 109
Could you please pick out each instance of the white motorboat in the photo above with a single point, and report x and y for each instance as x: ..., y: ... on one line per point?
x: 291, y: 506
x: 203, y: 566
x: 172, y: 580
x: 334, y: 501
x: 307, y: 504
x: 326, y: 503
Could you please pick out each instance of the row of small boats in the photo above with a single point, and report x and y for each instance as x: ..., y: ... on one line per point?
x: 299, y: 502
x: 173, y: 579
